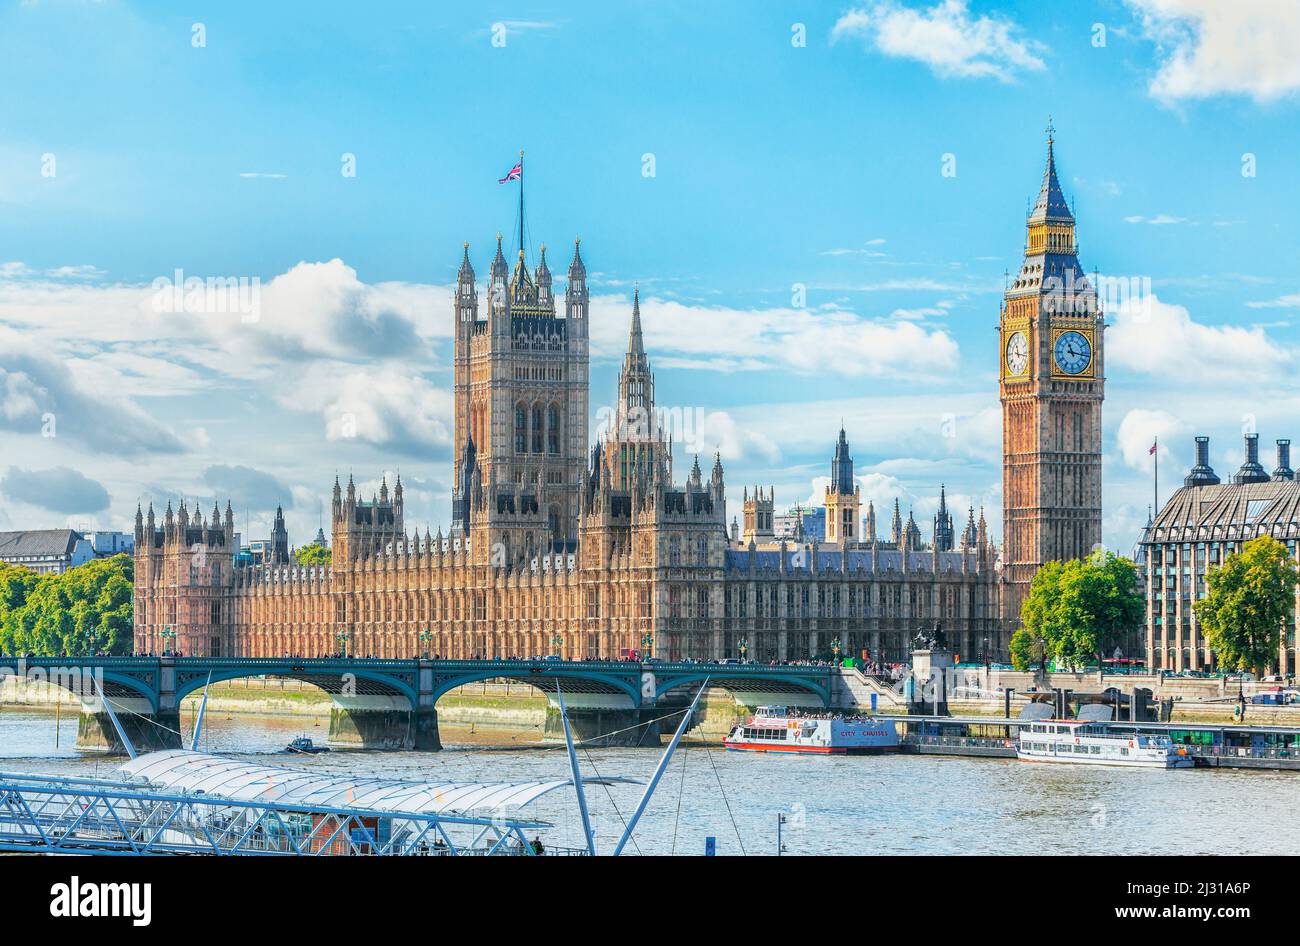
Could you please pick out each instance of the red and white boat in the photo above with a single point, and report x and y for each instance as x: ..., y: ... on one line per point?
x: 773, y: 729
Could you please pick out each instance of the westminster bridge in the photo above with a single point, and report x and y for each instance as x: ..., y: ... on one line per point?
x: 392, y: 704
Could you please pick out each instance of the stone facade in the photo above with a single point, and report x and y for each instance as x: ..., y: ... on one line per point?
x: 557, y: 550
x: 1201, y: 525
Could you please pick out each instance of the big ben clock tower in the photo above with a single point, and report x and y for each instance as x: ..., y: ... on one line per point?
x: 1052, y: 386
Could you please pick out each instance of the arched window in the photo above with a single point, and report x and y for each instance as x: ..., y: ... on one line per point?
x: 521, y: 429
x: 537, y: 428
x: 552, y: 429
x: 701, y: 551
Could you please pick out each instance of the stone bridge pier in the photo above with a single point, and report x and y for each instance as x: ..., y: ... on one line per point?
x: 378, y: 721
x: 150, y: 723
x: 605, y: 720
x: 148, y: 731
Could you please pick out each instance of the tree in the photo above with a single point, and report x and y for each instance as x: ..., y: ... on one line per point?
x: 313, y: 555
x: 16, y: 585
x: 1027, y: 650
x: 84, y: 610
x: 1248, y: 599
x: 1082, y: 608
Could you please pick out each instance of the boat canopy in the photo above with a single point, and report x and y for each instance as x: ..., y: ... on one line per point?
x: 182, y: 771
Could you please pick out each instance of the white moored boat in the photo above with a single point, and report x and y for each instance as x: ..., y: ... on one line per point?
x: 773, y: 729
x: 1097, y: 743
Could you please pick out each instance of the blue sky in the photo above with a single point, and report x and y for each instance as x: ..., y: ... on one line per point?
x: 129, y: 149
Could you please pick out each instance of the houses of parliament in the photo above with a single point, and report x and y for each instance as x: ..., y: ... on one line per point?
x: 557, y: 546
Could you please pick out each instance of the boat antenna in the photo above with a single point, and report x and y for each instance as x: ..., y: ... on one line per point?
x: 121, y: 733
x: 659, y: 770
x: 198, y: 722
x: 577, y: 774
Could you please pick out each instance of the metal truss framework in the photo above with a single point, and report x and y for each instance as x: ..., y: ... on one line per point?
x: 54, y: 815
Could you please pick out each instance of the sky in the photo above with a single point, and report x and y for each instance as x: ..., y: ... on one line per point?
x: 818, y: 201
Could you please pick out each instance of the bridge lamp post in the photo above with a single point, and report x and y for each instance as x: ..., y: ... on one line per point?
x: 168, y: 635
x: 744, y: 648
x: 835, y: 649
x: 425, y: 638
x: 343, y: 642
x: 556, y: 643
x: 647, y: 645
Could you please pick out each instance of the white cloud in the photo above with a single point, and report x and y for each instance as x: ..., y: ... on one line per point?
x: 721, y: 432
x: 773, y: 339
x: 392, y: 408
x: 1162, y: 339
x: 1290, y: 301
x: 41, y: 397
x: 1159, y: 220
x: 945, y: 37
x: 1214, y: 47
x: 1139, y: 430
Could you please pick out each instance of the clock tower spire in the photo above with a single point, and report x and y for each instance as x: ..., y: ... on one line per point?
x: 1052, y: 386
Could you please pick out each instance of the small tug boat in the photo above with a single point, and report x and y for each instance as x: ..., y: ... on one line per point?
x: 304, y: 745
x: 1097, y: 743
x: 773, y: 729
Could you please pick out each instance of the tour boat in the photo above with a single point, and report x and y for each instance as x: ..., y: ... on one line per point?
x: 1097, y: 743
x: 772, y: 729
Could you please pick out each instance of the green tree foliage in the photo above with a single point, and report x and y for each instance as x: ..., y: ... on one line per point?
x: 1079, y: 610
x: 1027, y: 650
x: 313, y: 555
x: 1248, y: 599
x: 87, y: 609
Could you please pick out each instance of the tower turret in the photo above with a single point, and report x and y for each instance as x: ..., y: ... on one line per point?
x: 843, y: 500
x: 944, y: 533
x: 759, y: 513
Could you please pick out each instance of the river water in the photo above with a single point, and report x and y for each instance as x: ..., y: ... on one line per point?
x: 833, y: 805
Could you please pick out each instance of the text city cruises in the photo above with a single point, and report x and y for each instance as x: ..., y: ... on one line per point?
x: 1096, y: 743
x: 772, y: 729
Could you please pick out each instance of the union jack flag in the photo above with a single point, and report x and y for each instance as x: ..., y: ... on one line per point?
x: 514, y: 174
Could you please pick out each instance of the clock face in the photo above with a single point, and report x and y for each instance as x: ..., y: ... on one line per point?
x: 1017, y: 353
x: 1073, y: 353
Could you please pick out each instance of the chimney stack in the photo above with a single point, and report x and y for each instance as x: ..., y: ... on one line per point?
x: 1202, y: 474
x: 1251, y: 471
x: 1284, y: 471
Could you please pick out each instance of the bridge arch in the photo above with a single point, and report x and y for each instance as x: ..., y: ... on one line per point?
x: 76, y: 679
x: 370, y: 682
x: 571, y: 680
x: 769, y: 683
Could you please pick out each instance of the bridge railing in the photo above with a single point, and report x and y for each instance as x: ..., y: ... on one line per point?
x: 68, y: 815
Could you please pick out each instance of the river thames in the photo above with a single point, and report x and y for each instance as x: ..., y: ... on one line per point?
x: 833, y: 805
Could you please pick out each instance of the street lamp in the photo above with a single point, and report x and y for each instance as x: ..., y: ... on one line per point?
x: 835, y: 649
x: 168, y: 635
x: 556, y: 643
x: 647, y: 645
x: 744, y: 649
x: 425, y: 638
x: 343, y: 642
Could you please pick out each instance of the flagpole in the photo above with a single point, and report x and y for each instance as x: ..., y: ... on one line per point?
x: 1155, y: 480
x: 521, y: 200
